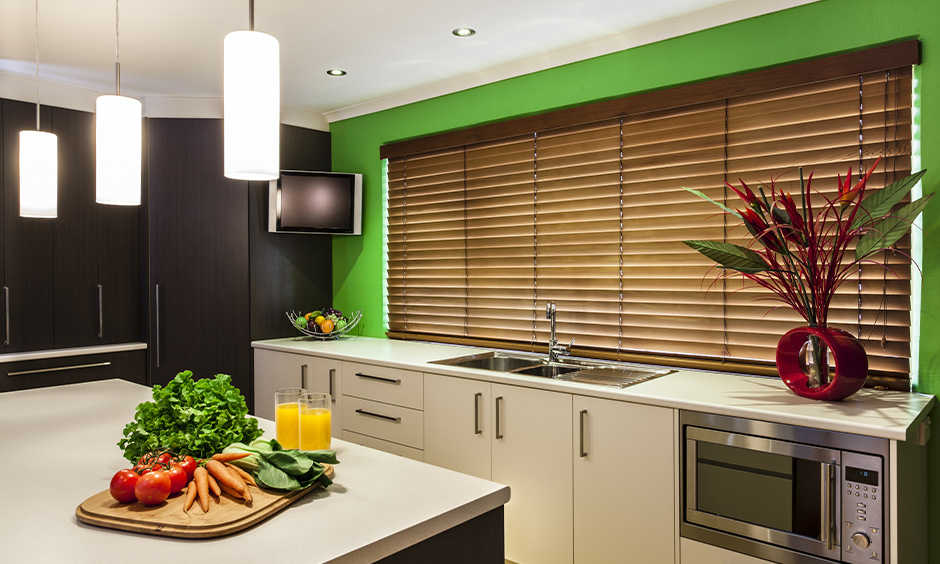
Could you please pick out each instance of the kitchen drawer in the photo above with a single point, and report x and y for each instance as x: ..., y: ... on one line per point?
x: 27, y: 374
x: 387, y: 385
x: 383, y: 421
x: 384, y: 446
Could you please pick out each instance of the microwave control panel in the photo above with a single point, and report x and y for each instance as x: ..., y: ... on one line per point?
x: 862, y: 495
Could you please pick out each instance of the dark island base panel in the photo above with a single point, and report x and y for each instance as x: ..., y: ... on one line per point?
x: 27, y: 374
x: 477, y: 541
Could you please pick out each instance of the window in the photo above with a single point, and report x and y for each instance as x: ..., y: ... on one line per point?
x: 585, y: 207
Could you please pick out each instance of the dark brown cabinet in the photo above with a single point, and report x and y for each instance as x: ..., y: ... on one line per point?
x: 198, y: 225
x: 72, y: 281
x: 28, y: 256
x: 23, y: 375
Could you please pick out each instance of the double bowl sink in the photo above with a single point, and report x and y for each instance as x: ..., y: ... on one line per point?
x: 583, y: 370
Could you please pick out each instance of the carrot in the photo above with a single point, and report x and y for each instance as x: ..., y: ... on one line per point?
x: 230, y: 492
x: 226, y: 476
x: 201, y: 477
x: 245, y: 475
x: 190, y: 495
x: 214, y: 486
x: 229, y: 456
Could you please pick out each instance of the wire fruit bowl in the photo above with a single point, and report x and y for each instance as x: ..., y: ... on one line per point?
x: 352, y: 321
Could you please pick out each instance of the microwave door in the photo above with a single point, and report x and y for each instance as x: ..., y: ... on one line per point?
x: 772, y: 491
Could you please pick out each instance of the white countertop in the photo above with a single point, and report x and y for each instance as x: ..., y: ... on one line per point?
x: 885, y: 414
x: 77, y: 351
x: 59, y: 447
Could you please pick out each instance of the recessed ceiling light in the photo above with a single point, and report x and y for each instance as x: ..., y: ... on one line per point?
x: 463, y: 32
x: 336, y: 72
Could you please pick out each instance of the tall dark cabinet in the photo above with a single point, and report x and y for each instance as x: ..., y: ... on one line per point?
x: 28, y: 258
x: 218, y: 280
x: 198, y: 255
x: 72, y: 282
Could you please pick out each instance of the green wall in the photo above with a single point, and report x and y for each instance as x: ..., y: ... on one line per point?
x: 822, y: 28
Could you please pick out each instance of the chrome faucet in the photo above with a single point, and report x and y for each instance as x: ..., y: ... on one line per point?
x: 554, y: 349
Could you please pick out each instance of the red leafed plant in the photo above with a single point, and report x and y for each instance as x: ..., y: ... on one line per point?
x: 798, y: 253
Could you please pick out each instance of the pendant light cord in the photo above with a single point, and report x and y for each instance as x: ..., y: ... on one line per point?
x: 37, y: 65
x: 251, y: 15
x: 117, y: 46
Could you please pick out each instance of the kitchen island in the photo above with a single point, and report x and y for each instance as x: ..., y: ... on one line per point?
x: 59, y: 448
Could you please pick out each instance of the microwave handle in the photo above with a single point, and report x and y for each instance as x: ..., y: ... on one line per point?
x: 827, y: 488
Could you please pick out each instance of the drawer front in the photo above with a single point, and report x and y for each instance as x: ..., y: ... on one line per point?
x: 383, y: 421
x: 387, y: 385
x: 384, y: 446
x: 28, y: 374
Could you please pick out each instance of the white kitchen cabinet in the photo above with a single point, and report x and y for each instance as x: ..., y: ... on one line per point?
x: 532, y: 436
x: 624, y: 482
x: 457, y: 430
x: 328, y: 378
x: 275, y: 370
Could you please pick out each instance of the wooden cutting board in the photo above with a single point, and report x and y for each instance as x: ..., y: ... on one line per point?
x: 226, y: 514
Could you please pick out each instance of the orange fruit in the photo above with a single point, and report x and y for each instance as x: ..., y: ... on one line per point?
x: 326, y: 326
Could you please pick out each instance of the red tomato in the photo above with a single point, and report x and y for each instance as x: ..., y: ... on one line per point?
x: 177, y: 478
x: 188, y: 463
x: 122, y: 485
x: 153, y: 488
x: 165, y: 458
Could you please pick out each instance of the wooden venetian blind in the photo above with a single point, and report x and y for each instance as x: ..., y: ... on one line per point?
x: 585, y: 207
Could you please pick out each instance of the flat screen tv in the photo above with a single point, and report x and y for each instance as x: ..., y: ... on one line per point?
x: 302, y: 201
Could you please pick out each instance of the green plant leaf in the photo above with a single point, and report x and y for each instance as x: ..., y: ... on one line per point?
x: 730, y: 256
x: 720, y: 205
x: 884, y: 233
x: 877, y: 204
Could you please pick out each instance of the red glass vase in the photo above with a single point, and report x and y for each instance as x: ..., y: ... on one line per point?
x: 848, y: 355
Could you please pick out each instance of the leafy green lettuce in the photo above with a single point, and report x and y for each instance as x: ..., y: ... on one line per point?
x: 194, y: 417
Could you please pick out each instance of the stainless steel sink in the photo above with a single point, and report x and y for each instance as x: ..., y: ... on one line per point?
x: 582, y: 370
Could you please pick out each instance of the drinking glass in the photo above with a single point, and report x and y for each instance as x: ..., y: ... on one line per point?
x: 314, y: 421
x: 286, y: 416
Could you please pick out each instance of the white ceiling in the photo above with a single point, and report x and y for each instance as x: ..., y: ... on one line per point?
x: 395, y: 51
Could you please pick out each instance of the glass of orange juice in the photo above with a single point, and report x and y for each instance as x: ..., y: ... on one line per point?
x: 287, y: 416
x: 314, y: 421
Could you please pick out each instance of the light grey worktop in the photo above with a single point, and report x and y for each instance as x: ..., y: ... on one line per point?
x: 877, y: 413
x: 59, y: 448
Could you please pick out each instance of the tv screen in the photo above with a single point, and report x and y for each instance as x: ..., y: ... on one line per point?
x: 315, y: 202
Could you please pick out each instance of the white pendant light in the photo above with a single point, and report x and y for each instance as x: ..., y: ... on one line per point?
x: 118, y: 145
x: 252, y: 104
x: 39, y: 162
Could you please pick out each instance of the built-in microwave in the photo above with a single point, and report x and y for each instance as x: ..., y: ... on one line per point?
x: 788, y: 494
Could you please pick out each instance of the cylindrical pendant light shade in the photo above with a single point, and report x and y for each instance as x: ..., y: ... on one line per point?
x: 39, y: 171
x: 118, y: 150
x: 252, y: 106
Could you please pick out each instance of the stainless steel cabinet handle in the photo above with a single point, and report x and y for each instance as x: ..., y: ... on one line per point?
x: 499, y: 430
x: 477, y: 402
x: 6, y: 315
x: 157, y: 318
x: 379, y: 415
x: 379, y: 378
x: 828, y: 525
x: 583, y: 415
x: 100, y: 312
x: 303, y: 376
x: 332, y: 377
x: 58, y: 368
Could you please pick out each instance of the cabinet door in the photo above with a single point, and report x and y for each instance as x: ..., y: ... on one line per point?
x: 624, y: 472
x: 457, y: 426
x: 76, y: 228
x: 119, y: 274
x: 532, y: 455
x: 28, y: 245
x: 275, y: 370
x: 328, y: 378
x: 198, y: 255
